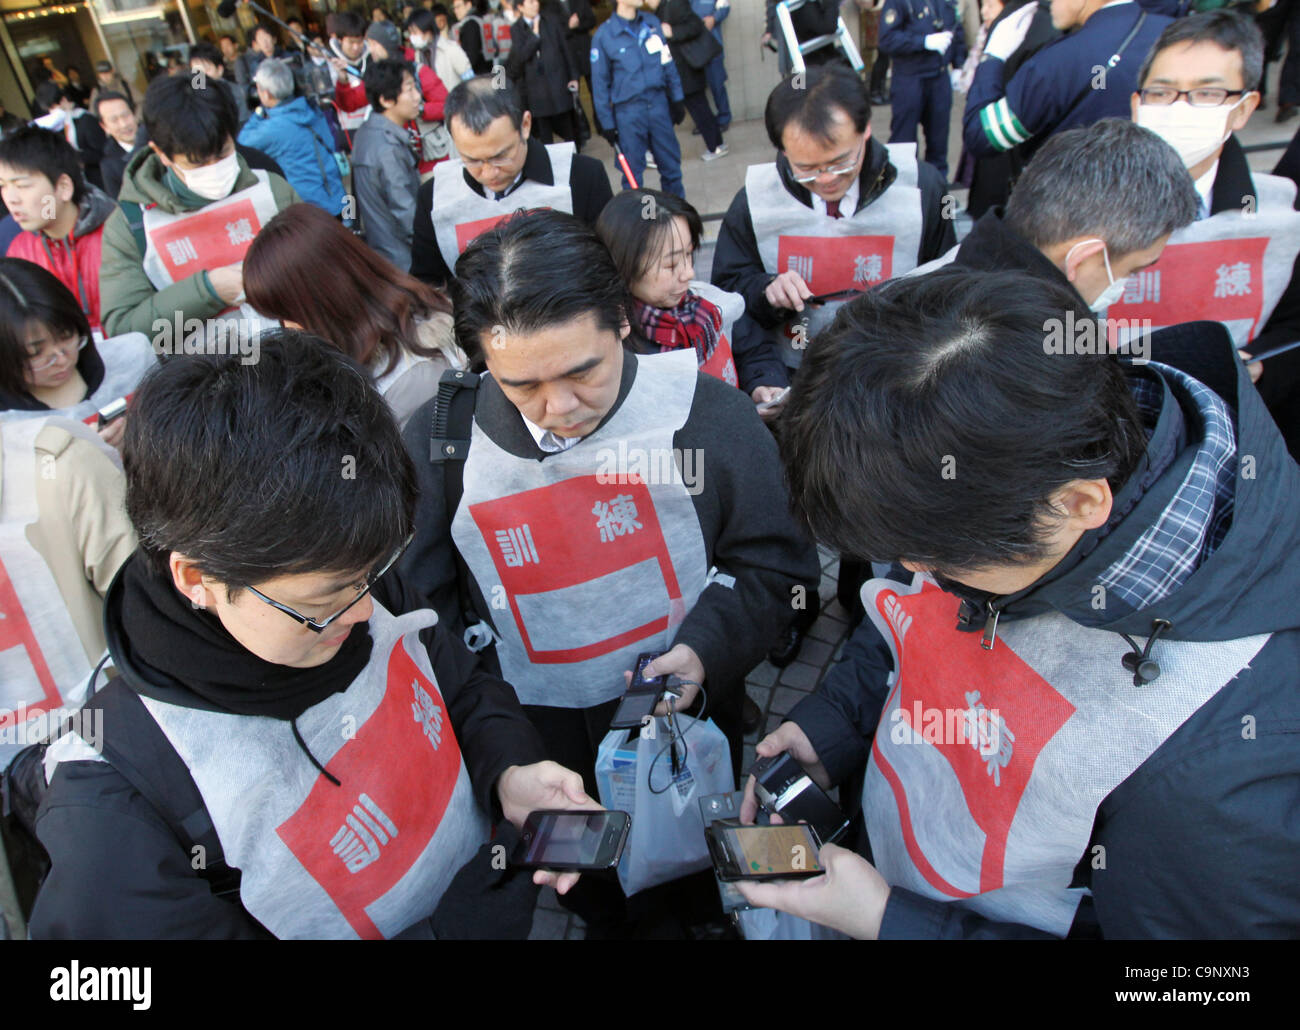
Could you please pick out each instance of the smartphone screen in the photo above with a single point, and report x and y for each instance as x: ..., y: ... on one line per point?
x: 773, y: 850
x: 559, y: 840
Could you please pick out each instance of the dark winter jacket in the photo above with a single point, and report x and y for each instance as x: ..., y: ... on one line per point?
x: 1195, y: 842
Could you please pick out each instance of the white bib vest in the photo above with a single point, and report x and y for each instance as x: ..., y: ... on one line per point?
x: 593, y: 555
x: 371, y: 857
x: 217, y: 234
x: 43, y: 663
x: 721, y: 364
x: 988, y: 767
x: 855, y: 252
x: 126, y: 359
x: 460, y: 214
x: 1231, y: 267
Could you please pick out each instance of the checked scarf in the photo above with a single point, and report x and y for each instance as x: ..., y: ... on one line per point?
x: 693, y: 323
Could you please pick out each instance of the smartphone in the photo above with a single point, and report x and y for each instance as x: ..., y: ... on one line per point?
x: 110, y: 413
x: 782, y: 785
x: 776, y: 401
x: 564, y: 839
x: 762, y: 852
x: 642, y: 695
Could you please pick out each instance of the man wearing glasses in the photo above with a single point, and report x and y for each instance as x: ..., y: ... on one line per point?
x: 350, y: 758
x: 837, y: 213
x: 1235, y: 264
x: 501, y: 169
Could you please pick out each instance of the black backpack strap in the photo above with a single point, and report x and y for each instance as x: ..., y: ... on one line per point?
x: 449, y: 436
x: 135, y: 744
x: 1113, y: 60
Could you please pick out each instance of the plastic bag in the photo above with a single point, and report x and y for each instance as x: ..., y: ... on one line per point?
x: 636, y: 776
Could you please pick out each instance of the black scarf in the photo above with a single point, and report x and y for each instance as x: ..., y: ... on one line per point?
x: 167, y: 639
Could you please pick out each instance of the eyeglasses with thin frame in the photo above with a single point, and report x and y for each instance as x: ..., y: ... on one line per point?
x: 803, y: 178
x: 62, y: 348
x: 1201, y: 96
x: 501, y: 163
x: 319, y: 626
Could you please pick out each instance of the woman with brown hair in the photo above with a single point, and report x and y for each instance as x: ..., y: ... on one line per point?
x: 308, y: 271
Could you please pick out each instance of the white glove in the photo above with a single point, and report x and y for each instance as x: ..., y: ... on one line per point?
x: 939, y: 42
x: 954, y: 76
x: 1005, y: 40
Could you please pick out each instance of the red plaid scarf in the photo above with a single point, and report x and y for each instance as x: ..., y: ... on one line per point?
x: 693, y: 323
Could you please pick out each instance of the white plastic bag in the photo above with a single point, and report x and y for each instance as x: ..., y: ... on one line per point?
x: 636, y: 776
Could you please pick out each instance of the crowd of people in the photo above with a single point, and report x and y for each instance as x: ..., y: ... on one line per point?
x: 357, y: 438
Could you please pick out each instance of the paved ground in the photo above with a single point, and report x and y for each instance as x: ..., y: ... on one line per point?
x: 710, y: 188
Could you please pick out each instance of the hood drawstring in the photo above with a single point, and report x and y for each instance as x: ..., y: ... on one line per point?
x: 293, y: 723
x: 1139, y: 662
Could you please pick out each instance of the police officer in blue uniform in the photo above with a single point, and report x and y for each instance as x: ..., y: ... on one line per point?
x: 636, y: 90
x: 924, y: 38
x: 1084, y: 76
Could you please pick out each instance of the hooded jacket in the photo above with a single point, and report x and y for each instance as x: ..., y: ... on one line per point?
x: 298, y: 137
x: 130, y: 303
x: 1195, y: 841
x: 74, y: 261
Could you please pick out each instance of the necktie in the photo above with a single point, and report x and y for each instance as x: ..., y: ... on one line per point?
x: 833, y: 208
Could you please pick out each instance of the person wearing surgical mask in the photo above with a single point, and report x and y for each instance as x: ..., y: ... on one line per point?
x: 189, y: 207
x: 1197, y: 89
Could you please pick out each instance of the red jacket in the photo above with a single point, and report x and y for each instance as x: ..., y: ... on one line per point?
x: 74, y: 261
x: 435, y: 97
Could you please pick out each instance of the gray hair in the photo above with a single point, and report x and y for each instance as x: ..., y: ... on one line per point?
x: 274, y: 76
x: 1114, y: 180
x: 1226, y: 29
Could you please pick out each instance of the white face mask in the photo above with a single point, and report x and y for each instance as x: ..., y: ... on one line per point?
x: 214, y: 181
x: 418, y: 42
x: 1195, y: 132
x: 1111, y: 293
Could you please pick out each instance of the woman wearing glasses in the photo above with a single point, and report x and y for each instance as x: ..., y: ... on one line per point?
x: 48, y: 358
x: 348, y: 759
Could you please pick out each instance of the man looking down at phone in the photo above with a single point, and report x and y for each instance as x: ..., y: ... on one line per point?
x: 347, y: 758
x: 837, y: 211
x: 579, y: 499
x: 1075, y: 692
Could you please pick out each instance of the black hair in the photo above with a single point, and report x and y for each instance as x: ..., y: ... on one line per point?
x: 48, y: 95
x: 208, y: 52
x: 30, y: 293
x: 810, y: 99
x: 479, y: 101
x: 1227, y: 29
x: 262, y: 26
x: 108, y: 94
x: 635, y: 223
x: 423, y: 20
x: 383, y: 80
x: 933, y: 421
x: 187, y: 120
x: 290, y: 464
x: 534, y: 270
x: 47, y: 153
x: 347, y: 23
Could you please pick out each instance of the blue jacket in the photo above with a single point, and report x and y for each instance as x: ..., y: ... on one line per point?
x: 623, y: 69
x: 719, y: 9
x: 298, y: 137
x: 1059, y: 87
x: 904, y: 24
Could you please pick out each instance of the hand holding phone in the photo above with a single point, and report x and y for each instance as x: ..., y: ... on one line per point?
x: 558, y: 839
x: 782, y: 786
x: 775, y: 402
x: 642, y: 695
x: 739, y: 852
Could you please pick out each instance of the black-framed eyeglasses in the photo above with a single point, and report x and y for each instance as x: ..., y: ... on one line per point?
x: 318, y: 626
x: 1202, y: 96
